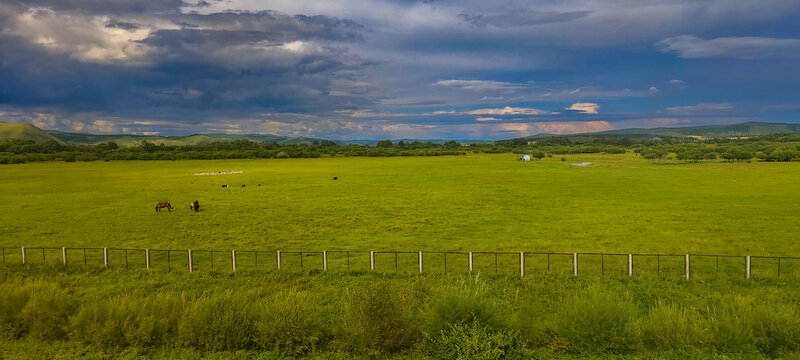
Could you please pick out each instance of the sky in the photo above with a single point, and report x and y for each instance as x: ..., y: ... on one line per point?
x: 375, y: 69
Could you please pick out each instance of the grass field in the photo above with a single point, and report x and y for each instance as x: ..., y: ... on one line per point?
x: 621, y: 203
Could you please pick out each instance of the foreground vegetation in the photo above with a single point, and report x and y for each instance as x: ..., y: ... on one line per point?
x: 137, y: 314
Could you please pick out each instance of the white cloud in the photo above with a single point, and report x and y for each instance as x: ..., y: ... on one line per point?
x: 479, y: 85
x: 84, y: 37
x: 693, y: 47
x: 486, y: 118
x: 652, y: 90
x: 584, y: 108
x: 704, y: 108
x: 508, y: 110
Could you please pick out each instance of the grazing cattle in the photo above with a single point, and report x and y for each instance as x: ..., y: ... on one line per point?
x: 259, y: 185
x: 162, y: 205
x: 244, y: 185
x: 224, y: 186
x: 194, y: 205
x: 335, y: 178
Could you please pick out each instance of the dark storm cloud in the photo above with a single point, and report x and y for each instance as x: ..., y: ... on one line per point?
x: 107, y: 7
x: 114, y: 24
x: 390, y: 68
x: 521, y: 17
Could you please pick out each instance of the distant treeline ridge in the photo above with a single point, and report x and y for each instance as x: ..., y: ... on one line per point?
x: 776, y: 147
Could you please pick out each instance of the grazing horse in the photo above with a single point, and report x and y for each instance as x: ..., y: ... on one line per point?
x: 162, y: 205
x: 194, y: 205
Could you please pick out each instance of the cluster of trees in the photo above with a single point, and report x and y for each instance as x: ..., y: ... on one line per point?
x: 21, y: 151
x: 766, y: 148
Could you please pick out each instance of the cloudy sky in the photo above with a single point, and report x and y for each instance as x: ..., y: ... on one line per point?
x: 372, y: 69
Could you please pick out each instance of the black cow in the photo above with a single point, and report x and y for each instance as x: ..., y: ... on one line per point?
x: 244, y: 185
x: 224, y: 186
x: 335, y: 178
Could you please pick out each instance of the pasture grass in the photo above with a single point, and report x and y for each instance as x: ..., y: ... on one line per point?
x: 622, y: 204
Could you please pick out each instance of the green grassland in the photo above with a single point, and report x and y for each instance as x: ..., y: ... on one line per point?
x: 621, y: 203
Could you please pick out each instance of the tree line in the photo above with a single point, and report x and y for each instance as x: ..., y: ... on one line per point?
x: 777, y: 147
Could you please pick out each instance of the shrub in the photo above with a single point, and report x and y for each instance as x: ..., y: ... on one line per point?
x: 598, y: 321
x: 47, y: 311
x: 670, y: 327
x: 13, y: 297
x: 290, y: 322
x: 465, y: 305
x: 378, y: 320
x: 472, y: 341
x: 728, y: 324
x: 776, y: 328
x: 218, y: 321
x: 129, y: 320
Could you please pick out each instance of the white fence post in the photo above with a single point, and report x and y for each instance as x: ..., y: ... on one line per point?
x: 747, y: 266
x: 687, y: 265
x: 630, y: 264
x: 470, y: 261
x: 64, y: 255
x: 23, y: 255
x: 233, y: 259
x: 574, y: 264
x: 279, y: 259
x: 325, y: 260
x: 147, y: 258
x: 372, y: 260
x: 105, y: 258
x: 191, y: 268
x: 420, y: 262
x: 522, y: 264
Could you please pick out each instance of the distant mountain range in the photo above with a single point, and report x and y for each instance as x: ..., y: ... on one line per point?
x: 27, y: 131
x: 196, y: 139
x: 707, y: 131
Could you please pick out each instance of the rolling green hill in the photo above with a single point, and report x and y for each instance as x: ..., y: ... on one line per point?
x: 708, y: 131
x: 24, y: 131
x: 196, y: 139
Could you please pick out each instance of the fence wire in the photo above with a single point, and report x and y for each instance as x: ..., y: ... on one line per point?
x: 697, y: 266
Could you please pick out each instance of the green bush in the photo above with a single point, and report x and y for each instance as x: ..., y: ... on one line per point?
x: 775, y: 328
x: 14, y: 295
x: 291, y: 322
x: 473, y: 341
x: 222, y: 320
x: 464, y: 305
x: 378, y: 320
x: 599, y: 321
x: 47, y: 311
x: 130, y: 320
x: 672, y: 327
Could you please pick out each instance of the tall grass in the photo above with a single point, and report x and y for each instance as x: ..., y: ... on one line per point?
x: 448, y: 317
x: 219, y: 321
x: 378, y: 320
x: 291, y: 322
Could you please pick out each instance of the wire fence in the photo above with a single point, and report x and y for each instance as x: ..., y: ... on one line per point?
x: 686, y: 266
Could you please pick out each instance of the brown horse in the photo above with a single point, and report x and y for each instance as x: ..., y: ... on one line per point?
x: 162, y: 205
x: 194, y: 205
